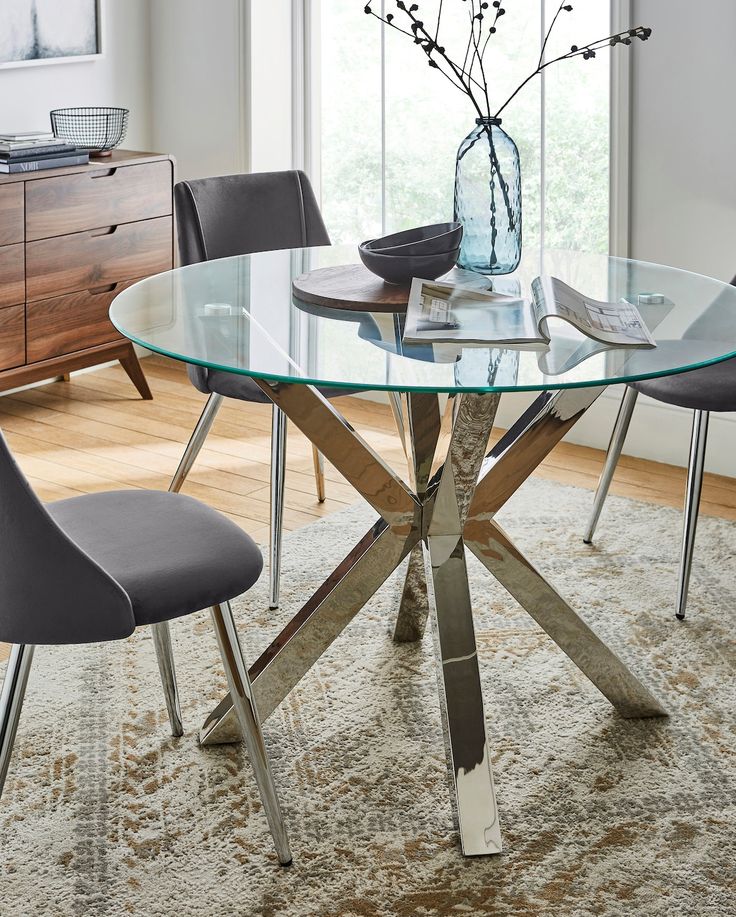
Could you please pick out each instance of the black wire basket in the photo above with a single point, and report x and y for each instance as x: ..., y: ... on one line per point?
x: 98, y: 130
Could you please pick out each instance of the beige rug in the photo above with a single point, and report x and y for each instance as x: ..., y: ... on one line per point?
x: 105, y: 814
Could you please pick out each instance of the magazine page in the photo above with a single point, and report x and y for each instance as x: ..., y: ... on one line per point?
x: 617, y: 324
x: 445, y: 313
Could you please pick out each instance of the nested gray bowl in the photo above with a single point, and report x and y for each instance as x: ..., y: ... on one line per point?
x: 436, y: 239
x: 402, y: 269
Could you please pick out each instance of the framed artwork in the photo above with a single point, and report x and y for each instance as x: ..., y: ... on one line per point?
x: 36, y: 32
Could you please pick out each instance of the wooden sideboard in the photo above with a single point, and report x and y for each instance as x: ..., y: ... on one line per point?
x: 70, y: 241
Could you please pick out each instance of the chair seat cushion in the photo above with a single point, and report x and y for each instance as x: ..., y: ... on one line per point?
x: 172, y: 554
x: 712, y: 388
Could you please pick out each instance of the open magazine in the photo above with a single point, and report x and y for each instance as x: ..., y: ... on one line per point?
x: 444, y: 313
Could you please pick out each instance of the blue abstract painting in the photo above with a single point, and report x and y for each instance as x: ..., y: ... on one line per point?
x: 37, y: 31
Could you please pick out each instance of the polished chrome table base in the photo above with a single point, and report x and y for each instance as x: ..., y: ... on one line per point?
x: 451, y: 505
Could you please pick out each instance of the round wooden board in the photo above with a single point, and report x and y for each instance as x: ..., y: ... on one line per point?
x: 352, y: 287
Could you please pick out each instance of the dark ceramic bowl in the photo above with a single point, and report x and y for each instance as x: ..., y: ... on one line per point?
x: 424, y: 240
x: 402, y: 269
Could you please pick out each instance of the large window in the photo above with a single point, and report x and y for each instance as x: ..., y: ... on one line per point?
x: 390, y: 127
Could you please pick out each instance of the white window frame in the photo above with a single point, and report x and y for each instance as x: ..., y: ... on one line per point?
x: 620, y: 152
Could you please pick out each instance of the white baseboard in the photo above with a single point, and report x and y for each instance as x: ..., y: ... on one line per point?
x: 658, y: 432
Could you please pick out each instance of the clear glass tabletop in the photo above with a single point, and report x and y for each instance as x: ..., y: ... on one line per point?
x: 239, y: 315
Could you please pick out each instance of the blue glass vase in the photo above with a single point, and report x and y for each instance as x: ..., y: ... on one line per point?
x: 488, y: 199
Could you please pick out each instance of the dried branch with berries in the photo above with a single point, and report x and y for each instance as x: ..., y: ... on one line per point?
x: 468, y: 72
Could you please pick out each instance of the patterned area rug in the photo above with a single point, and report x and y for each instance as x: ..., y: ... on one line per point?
x: 105, y: 814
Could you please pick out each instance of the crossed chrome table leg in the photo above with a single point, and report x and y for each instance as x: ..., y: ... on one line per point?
x: 432, y: 523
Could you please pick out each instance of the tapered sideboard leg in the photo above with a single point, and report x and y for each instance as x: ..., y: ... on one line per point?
x: 132, y: 366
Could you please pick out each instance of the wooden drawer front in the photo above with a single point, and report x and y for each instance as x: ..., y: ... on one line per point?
x: 68, y: 323
x: 11, y: 214
x: 12, y: 337
x: 12, y: 275
x: 88, y: 260
x: 100, y: 197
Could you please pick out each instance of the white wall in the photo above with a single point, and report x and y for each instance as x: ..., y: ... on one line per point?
x: 683, y: 202
x: 121, y: 77
x: 222, y: 85
x: 270, y: 76
x: 199, y: 85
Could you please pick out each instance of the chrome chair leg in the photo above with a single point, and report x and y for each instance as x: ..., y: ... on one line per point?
x: 319, y: 473
x: 692, y: 506
x: 204, y: 424
x: 278, y: 475
x: 11, y: 703
x: 618, y: 437
x: 245, y: 708
x: 162, y: 642
x: 161, y: 632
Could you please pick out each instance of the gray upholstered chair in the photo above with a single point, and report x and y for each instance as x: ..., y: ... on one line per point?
x: 239, y: 215
x: 703, y: 391
x: 93, y: 568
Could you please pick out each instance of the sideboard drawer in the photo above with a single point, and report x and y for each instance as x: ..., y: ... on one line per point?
x: 11, y: 214
x: 73, y: 322
x: 12, y: 275
x: 12, y: 337
x: 88, y: 260
x: 99, y: 197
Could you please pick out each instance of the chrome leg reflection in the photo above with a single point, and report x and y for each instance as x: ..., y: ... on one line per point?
x: 245, y: 708
x: 527, y: 443
x: 397, y: 409
x: 495, y: 550
x: 319, y: 474
x: 361, y: 465
x: 618, y: 438
x: 461, y: 706
x: 278, y: 475
x: 161, y: 634
x: 419, y: 419
x: 11, y: 703
x: 411, y: 621
x: 194, y: 446
x: 692, y: 506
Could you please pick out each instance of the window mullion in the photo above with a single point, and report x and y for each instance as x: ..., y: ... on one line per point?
x: 384, y: 206
x: 542, y: 134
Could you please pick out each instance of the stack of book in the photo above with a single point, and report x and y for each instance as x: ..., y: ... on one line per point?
x: 31, y: 152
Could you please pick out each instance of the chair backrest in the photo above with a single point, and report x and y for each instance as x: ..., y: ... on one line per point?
x: 242, y: 214
x: 50, y: 590
x: 718, y: 321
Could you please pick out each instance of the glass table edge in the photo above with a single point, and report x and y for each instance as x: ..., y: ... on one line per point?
x: 403, y: 387
x: 659, y: 265
x: 316, y: 248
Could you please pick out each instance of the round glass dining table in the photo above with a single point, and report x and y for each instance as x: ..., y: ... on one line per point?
x: 239, y: 315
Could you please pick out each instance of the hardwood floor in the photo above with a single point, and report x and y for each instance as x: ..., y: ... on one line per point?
x: 94, y: 433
